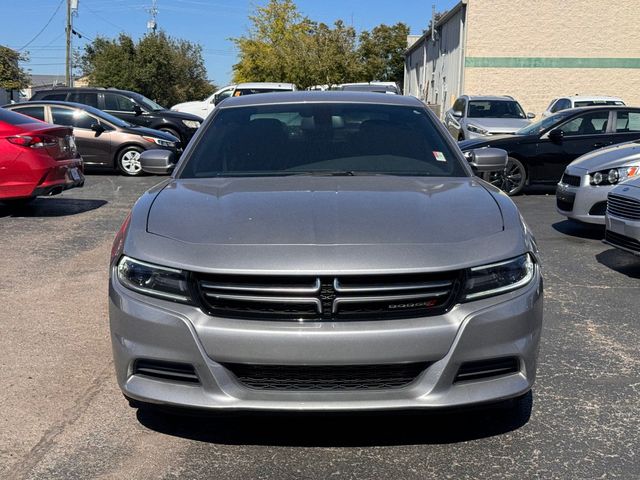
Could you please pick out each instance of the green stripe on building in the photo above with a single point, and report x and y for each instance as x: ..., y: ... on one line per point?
x: 551, y: 62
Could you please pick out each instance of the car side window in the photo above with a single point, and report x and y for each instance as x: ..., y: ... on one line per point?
x: 71, y: 117
x: 33, y: 112
x: 116, y: 102
x: 224, y: 94
x: 588, y: 124
x: 561, y: 104
x: 626, y: 122
x: 58, y: 97
x: 86, y: 98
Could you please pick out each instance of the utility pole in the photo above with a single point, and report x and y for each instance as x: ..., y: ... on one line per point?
x: 152, y: 23
x: 67, y: 72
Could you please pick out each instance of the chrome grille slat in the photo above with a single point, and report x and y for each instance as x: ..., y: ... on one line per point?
x: 327, y: 298
x: 623, y: 207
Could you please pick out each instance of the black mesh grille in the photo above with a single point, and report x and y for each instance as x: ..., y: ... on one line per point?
x: 572, y: 180
x: 599, y: 208
x: 565, y: 205
x: 326, y: 378
x: 623, y: 241
x: 623, y: 207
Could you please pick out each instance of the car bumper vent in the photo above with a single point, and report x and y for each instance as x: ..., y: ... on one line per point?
x: 622, y: 241
x: 177, y: 372
x: 326, y: 378
x: 599, y: 208
x: 572, y: 180
x: 487, y: 369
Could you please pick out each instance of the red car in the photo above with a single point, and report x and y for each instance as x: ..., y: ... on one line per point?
x: 36, y: 158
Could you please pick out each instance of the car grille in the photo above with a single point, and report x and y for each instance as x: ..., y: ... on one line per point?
x: 326, y: 378
x: 328, y: 298
x: 622, y: 241
x: 572, y: 180
x: 623, y: 207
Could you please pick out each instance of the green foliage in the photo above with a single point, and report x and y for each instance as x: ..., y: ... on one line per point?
x: 12, y: 76
x: 162, y: 68
x: 282, y: 45
x: 382, y: 52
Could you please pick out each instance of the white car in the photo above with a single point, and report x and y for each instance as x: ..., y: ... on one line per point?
x: 623, y: 217
x: 204, y: 107
x: 575, y: 101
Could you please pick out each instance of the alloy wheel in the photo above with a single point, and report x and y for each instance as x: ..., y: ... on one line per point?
x: 511, y: 180
x: 130, y: 162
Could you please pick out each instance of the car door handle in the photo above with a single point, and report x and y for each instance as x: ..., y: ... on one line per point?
x: 599, y: 144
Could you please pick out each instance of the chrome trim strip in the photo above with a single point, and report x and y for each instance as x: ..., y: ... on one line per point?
x: 391, y: 288
x: 257, y: 299
x: 384, y: 298
x: 257, y: 288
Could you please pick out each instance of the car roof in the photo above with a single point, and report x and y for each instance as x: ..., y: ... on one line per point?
x: 321, y: 97
x: 81, y: 106
x: 600, y: 107
x: 489, y: 97
x: 591, y: 97
x: 283, y: 86
x: 84, y: 89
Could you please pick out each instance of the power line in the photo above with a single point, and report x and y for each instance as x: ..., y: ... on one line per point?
x: 43, y: 28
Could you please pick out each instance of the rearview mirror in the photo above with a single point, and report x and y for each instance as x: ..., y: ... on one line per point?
x: 556, y: 135
x: 488, y: 159
x: 531, y: 115
x: 157, y: 162
x: 137, y: 110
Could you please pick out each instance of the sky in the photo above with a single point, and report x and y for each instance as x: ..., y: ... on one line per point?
x: 41, y: 23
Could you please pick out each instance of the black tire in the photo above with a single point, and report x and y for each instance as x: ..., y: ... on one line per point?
x: 511, y: 180
x: 128, y: 161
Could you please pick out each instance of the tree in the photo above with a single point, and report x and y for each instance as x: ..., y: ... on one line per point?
x: 382, y: 52
x: 12, y: 76
x: 165, y: 69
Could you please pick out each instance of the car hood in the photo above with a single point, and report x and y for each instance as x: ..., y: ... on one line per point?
x: 493, y: 140
x: 150, y: 132
x: 296, y: 224
x: 178, y: 115
x: 499, y: 125
x: 609, y: 157
x: 194, y: 104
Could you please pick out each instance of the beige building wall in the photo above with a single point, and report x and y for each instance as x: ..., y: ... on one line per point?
x: 537, y: 50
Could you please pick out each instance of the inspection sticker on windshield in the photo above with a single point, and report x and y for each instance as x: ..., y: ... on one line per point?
x: 439, y: 156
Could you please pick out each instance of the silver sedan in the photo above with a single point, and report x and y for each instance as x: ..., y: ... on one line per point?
x: 623, y: 217
x: 582, y: 192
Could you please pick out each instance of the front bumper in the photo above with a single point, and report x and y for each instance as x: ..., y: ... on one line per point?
x: 586, y: 203
x: 626, y: 234
x: 147, y: 328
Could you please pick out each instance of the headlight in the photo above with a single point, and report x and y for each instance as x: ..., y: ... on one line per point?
x: 476, y: 129
x: 191, y: 123
x: 499, y: 278
x: 160, y: 141
x: 163, y: 282
x: 613, y: 176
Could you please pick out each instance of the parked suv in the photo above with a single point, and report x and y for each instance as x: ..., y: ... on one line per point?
x: 577, y: 101
x: 130, y: 107
x: 479, y: 117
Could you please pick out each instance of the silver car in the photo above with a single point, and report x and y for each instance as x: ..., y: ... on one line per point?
x: 482, y: 116
x: 623, y: 217
x: 582, y: 192
x: 324, y: 251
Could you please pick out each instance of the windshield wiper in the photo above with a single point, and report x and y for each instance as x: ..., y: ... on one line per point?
x: 326, y: 173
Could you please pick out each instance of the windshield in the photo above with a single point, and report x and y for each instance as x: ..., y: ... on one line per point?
x: 370, y: 88
x: 495, y: 109
x: 544, y: 124
x: 322, y: 139
x: 147, y: 103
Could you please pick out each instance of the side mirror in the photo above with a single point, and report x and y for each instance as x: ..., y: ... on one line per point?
x: 488, y: 159
x: 96, y: 127
x: 556, y: 135
x: 137, y: 110
x: 216, y: 99
x: 456, y: 113
x: 157, y: 162
x: 531, y: 115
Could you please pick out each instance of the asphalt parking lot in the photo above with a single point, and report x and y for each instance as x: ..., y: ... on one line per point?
x: 63, y: 417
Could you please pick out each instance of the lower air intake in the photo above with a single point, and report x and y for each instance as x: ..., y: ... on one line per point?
x: 326, y: 378
x: 176, y: 372
x: 487, y: 369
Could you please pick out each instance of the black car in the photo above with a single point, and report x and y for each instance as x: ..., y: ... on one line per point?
x: 129, y: 106
x: 540, y: 152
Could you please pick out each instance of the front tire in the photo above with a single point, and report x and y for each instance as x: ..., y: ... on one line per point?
x: 128, y: 161
x: 511, y: 180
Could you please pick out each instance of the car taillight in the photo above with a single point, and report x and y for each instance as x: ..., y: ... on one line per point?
x: 33, y: 141
x: 118, y: 242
